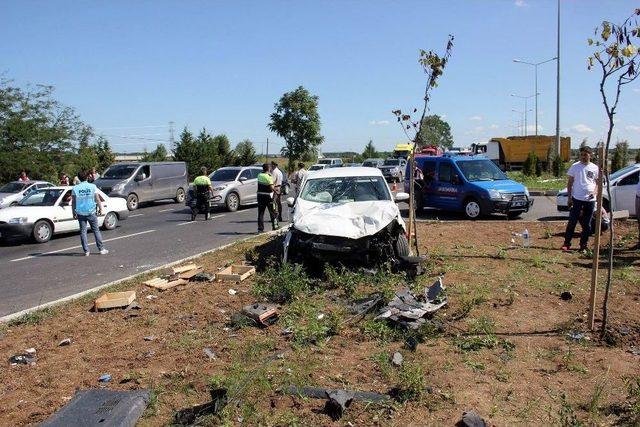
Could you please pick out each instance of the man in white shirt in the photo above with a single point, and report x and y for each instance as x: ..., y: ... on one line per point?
x: 581, y: 188
x: 298, y: 177
x: 276, y: 174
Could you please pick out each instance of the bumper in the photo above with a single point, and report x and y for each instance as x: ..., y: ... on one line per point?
x: 123, y: 214
x: 16, y: 230
x: 392, y: 176
x: 562, y: 203
x: 504, y: 207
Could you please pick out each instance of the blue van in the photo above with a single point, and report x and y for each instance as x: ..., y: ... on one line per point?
x: 470, y: 184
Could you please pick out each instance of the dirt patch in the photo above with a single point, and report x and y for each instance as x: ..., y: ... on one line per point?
x: 504, y: 348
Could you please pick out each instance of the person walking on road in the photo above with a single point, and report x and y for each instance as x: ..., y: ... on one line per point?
x: 265, y: 198
x: 277, y: 188
x: 581, y: 188
x: 298, y: 177
x: 203, y: 189
x: 85, y: 203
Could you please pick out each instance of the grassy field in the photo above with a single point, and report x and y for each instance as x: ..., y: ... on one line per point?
x: 506, y: 345
x: 544, y: 182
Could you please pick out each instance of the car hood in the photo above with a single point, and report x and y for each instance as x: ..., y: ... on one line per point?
x: 24, y: 211
x: 102, y: 182
x: 388, y: 167
x: 350, y: 220
x: 506, y: 185
x: 3, y: 195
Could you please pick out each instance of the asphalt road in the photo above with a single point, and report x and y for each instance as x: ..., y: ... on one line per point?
x: 33, y: 274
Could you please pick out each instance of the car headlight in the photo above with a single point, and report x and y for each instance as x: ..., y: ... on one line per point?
x: 496, y: 195
x: 219, y: 188
x: 118, y: 187
x: 526, y: 192
x: 20, y: 220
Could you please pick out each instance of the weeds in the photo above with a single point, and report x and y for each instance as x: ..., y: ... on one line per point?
x: 567, y: 414
x: 282, y: 284
x: 474, y: 366
x: 34, y: 317
x: 632, y: 384
x: 311, y: 321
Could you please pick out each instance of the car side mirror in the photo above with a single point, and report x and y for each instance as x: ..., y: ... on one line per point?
x: 139, y: 177
x: 242, y: 179
x: 290, y: 201
x: 401, y: 196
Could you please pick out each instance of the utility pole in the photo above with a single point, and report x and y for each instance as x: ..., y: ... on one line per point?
x: 171, y: 135
x: 558, y: 87
x: 526, y: 110
x: 535, y: 65
x: 267, y: 156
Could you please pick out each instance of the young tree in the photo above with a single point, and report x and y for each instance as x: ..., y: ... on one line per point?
x: 245, y: 153
x: 186, y: 150
x: 225, y: 154
x: 369, y: 151
x: 157, y: 155
x: 530, y: 165
x: 104, y: 154
x: 297, y: 121
x: 434, y: 131
x: 617, y: 58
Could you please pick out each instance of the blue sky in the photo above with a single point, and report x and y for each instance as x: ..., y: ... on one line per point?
x: 131, y: 67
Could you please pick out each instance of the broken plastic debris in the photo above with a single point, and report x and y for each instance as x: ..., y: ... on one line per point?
x: 320, y: 316
x: 104, y: 378
x: 577, y: 336
x: 189, y: 416
x: 209, y: 353
x: 232, y: 292
x: 149, y: 338
x: 150, y: 297
x: 405, y: 309
x: 337, y: 403
x: 31, y: 351
x: 22, y: 359
x: 397, y: 359
x: 262, y: 314
x: 566, y: 296
x: 64, y: 342
x: 202, y: 277
x: 471, y: 419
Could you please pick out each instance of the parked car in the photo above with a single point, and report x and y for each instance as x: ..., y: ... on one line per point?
x: 470, y: 184
x: 346, y: 213
x: 12, y: 192
x: 45, y: 212
x: 393, y: 169
x: 145, y: 182
x: 624, y: 183
x: 373, y: 163
x: 350, y: 165
x: 233, y: 186
x: 331, y: 162
x: 317, y: 167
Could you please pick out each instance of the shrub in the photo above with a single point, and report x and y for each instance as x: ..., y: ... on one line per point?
x: 282, y: 284
x: 530, y: 164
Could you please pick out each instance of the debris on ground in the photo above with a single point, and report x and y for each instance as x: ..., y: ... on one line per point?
x: 179, y: 276
x: 322, y: 393
x: 133, y: 306
x: 64, y: 342
x: 397, y: 359
x: 566, y: 296
x: 364, y: 305
x: 189, y: 416
x: 209, y: 353
x: 151, y: 297
x: 635, y: 351
x: 406, y: 310
x: 114, y: 300
x: 149, y: 338
x: 411, y: 265
x: 232, y: 292
x: 184, y: 268
x: 577, y: 336
x: 203, y: 277
x: 164, y: 284
x: 104, y: 378
x: 235, y: 273
x: 471, y: 419
x: 101, y: 407
x: 337, y: 403
x: 27, y: 358
x: 262, y: 314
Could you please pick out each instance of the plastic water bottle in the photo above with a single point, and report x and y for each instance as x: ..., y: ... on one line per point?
x: 525, y: 238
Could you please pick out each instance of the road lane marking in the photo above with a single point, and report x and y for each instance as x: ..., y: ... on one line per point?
x: 167, y: 210
x: 193, y: 222
x: 80, y: 246
x: 133, y: 216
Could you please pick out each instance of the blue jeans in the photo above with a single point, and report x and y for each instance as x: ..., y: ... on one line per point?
x: 93, y: 222
x: 580, y: 211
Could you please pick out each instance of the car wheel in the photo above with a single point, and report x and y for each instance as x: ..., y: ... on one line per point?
x: 132, y: 202
x: 232, y: 202
x: 402, y: 246
x: 513, y: 215
x: 42, y: 231
x: 179, y: 196
x: 14, y: 204
x: 472, y: 209
x: 110, y: 221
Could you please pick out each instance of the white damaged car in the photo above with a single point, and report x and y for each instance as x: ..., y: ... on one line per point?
x: 346, y: 214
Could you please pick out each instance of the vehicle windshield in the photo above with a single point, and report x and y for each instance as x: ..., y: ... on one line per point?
x: 345, y: 189
x: 316, y: 167
x: 370, y: 163
x: 324, y: 161
x: 616, y: 174
x: 481, y: 170
x: 119, y: 171
x: 392, y: 162
x: 46, y: 197
x: 224, y: 175
x: 13, y: 187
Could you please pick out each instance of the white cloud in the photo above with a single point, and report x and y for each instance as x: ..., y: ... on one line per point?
x: 636, y: 89
x: 476, y: 118
x: 520, y: 3
x: 494, y: 127
x: 632, y: 128
x: 581, y: 128
x: 444, y: 116
x: 379, y: 122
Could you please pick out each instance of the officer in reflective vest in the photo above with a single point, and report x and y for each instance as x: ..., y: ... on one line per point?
x: 265, y: 198
x: 203, y: 190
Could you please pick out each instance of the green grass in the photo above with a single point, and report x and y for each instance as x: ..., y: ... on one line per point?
x: 35, y: 317
x: 282, y: 284
x: 544, y: 182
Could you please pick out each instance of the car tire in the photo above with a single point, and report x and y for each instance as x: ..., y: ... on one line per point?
x: 402, y: 246
x: 513, y: 215
x: 42, y: 231
x: 110, y: 221
x: 180, y: 196
x: 13, y: 204
x: 132, y: 202
x: 232, y: 202
x: 472, y: 209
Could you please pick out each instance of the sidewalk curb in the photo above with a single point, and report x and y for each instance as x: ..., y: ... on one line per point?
x: 13, y: 316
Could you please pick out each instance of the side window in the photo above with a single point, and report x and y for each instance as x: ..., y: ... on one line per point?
x: 146, y: 170
x: 246, y: 174
x: 66, y: 199
x: 630, y: 179
x: 445, y: 173
x: 255, y: 173
x: 429, y: 171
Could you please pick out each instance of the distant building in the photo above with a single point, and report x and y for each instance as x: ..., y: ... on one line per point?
x: 131, y: 157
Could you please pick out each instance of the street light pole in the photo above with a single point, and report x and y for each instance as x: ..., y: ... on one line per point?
x: 535, y: 66
x: 525, y: 109
x: 558, y: 86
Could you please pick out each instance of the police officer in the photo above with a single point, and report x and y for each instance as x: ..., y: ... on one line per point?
x: 265, y: 198
x: 203, y: 189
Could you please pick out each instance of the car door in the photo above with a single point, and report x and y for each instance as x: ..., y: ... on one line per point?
x: 63, y: 215
x: 144, y: 187
x: 447, y: 187
x: 430, y: 186
x: 248, y: 186
x: 625, y: 192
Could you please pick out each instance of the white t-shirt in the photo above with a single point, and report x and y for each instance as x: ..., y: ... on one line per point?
x: 277, y: 177
x: 585, y: 178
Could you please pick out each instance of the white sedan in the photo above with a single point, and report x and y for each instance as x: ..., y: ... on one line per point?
x: 46, y: 212
x: 624, y: 184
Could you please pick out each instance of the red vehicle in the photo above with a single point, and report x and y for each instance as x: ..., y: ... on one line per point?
x: 432, y: 150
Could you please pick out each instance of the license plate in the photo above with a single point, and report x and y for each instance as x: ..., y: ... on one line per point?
x: 519, y: 203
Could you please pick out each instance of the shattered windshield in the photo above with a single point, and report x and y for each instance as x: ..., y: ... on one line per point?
x: 345, y: 189
x: 481, y: 170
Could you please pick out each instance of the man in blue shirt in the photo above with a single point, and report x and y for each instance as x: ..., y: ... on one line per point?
x: 85, y: 203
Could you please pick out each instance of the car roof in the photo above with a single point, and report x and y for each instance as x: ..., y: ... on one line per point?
x: 31, y: 181
x: 352, y: 171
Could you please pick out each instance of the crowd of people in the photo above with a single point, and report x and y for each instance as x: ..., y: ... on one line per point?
x: 92, y: 176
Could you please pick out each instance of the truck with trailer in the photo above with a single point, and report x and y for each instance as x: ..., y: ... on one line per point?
x: 511, y: 152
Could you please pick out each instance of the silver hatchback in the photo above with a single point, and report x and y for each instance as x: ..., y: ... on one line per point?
x: 234, y: 186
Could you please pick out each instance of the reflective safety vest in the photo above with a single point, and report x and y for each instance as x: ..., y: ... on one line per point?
x: 264, y: 184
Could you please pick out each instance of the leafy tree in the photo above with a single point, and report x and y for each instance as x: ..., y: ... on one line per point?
x: 245, y: 153
x: 530, y: 165
x: 186, y: 150
x: 369, y: 151
x: 637, y: 159
x: 225, y: 155
x: 104, y: 154
x: 434, y: 131
x: 206, y: 152
x: 620, y: 156
x: 297, y: 121
x: 157, y: 155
